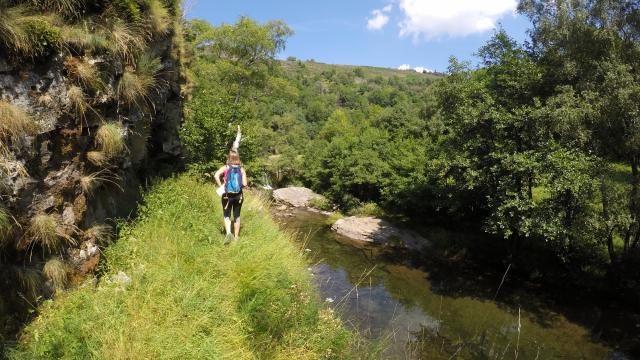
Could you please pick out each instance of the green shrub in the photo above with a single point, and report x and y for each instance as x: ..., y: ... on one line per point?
x: 321, y: 203
x: 43, y: 36
x: 367, y: 209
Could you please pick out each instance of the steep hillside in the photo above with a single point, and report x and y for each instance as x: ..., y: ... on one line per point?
x: 90, y: 105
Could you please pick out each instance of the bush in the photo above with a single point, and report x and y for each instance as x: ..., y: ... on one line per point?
x: 321, y: 203
x: 367, y: 209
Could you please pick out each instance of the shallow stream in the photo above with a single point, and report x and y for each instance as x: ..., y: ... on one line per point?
x: 419, y: 313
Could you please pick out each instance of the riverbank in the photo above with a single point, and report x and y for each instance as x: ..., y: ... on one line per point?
x: 170, y: 289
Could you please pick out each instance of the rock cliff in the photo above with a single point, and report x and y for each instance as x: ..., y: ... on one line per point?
x: 90, y: 107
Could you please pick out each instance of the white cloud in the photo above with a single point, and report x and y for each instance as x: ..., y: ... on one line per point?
x: 453, y: 18
x: 422, y: 69
x: 419, y: 69
x: 379, y: 18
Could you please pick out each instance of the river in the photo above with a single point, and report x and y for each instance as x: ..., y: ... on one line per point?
x: 413, y: 313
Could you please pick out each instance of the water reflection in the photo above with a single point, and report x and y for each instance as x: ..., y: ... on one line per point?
x: 391, y: 301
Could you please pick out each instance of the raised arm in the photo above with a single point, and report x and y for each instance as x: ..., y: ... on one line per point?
x: 217, y: 175
x: 236, y: 143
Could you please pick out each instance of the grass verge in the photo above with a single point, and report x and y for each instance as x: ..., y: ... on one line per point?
x: 189, y: 296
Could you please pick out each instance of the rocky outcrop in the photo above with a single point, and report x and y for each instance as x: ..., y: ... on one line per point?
x: 378, y: 231
x: 295, y: 196
x: 48, y: 171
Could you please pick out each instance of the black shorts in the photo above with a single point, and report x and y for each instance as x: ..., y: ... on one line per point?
x: 232, y: 203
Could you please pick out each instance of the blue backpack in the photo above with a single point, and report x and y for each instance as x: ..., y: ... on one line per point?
x: 233, y: 180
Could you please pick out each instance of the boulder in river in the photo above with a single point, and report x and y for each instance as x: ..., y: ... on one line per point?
x: 295, y: 196
x: 378, y: 231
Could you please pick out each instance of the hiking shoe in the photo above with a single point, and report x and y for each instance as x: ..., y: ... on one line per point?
x: 227, y: 239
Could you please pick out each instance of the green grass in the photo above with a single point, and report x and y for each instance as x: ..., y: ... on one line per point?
x: 190, y: 297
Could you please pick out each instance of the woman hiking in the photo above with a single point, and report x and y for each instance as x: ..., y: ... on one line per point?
x: 235, y: 178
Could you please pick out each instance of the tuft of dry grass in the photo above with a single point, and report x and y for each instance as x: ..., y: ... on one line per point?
x: 43, y: 230
x: 127, y: 39
x: 100, y: 234
x: 97, y: 158
x: 110, y: 140
x: 89, y: 183
x: 12, y: 33
x: 78, y: 104
x: 45, y: 100
x: 67, y: 8
x: 15, y: 123
x: 9, y: 166
x: 56, y: 271
x: 84, y: 73
x: 136, y: 84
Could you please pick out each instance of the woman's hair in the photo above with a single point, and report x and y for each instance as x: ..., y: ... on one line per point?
x: 234, y: 158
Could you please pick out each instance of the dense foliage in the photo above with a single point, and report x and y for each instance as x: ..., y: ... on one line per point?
x: 539, y: 145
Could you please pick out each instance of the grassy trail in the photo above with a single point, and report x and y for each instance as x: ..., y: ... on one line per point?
x: 190, y: 297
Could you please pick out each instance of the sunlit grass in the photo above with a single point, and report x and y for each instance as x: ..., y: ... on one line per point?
x: 191, y: 297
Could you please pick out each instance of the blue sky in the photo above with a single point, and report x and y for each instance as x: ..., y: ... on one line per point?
x: 386, y: 33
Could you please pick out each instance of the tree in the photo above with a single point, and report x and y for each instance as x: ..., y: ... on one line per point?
x: 231, y: 62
